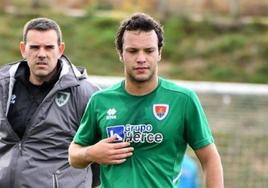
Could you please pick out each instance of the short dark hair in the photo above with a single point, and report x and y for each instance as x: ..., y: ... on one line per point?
x: 139, y: 22
x: 42, y: 24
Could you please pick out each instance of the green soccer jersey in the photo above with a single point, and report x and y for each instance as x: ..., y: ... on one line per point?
x: 158, y: 125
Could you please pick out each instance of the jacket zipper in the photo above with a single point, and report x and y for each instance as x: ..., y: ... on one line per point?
x: 55, y: 180
x: 13, y: 170
x: 20, y: 148
x: 55, y: 175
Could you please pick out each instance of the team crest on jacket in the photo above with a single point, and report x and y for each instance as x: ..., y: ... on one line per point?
x: 160, y: 111
x: 62, y: 98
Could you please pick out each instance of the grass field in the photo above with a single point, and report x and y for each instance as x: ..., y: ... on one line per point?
x: 193, y: 50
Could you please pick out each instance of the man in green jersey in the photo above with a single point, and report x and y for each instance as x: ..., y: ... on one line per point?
x: 138, y: 129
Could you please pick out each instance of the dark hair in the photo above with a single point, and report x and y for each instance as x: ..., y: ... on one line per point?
x: 139, y: 22
x: 42, y: 24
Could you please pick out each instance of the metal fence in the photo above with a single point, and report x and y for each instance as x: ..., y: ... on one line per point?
x: 238, y: 116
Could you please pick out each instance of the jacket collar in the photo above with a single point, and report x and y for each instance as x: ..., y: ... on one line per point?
x: 69, y: 74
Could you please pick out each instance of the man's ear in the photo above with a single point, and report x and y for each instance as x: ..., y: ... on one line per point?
x: 22, y: 49
x: 61, y: 49
x: 120, y: 56
x: 160, y: 54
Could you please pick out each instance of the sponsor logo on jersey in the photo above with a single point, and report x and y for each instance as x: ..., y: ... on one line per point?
x: 111, y: 113
x: 160, y: 111
x: 134, y: 133
x: 116, y: 130
x: 62, y: 98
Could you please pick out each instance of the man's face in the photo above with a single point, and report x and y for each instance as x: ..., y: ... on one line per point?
x: 140, y: 55
x: 42, y: 53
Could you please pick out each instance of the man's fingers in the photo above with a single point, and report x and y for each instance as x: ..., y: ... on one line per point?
x: 120, y: 145
x: 110, y: 139
x: 123, y: 150
x: 117, y: 161
x: 122, y: 156
x: 116, y: 145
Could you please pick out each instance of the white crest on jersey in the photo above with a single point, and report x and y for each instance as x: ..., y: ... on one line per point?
x: 160, y: 111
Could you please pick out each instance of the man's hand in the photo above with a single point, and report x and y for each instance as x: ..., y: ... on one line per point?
x: 107, y: 151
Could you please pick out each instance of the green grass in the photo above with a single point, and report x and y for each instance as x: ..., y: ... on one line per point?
x: 192, y: 50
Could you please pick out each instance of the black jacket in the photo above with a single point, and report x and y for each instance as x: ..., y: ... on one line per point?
x: 40, y: 158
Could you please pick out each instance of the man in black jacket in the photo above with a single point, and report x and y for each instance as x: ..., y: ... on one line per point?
x: 42, y: 99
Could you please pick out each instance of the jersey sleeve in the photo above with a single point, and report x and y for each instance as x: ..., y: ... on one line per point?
x: 197, y: 131
x: 86, y: 133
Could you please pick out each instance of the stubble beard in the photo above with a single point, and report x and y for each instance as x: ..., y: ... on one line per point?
x: 135, y: 79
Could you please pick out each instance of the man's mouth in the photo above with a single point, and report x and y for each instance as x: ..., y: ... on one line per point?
x: 141, y: 68
x: 41, y: 63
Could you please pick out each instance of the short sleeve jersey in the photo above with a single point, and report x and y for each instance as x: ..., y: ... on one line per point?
x: 158, y: 125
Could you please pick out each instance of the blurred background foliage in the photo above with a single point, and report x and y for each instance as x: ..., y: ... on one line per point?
x: 205, y: 40
x: 210, y: 40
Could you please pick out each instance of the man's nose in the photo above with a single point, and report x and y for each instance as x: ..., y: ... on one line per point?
x: 141, y: 57
x: 41, y: 53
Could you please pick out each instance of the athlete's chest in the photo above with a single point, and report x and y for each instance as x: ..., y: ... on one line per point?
x: 142, y: 121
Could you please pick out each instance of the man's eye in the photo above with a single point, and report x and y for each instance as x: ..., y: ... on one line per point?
x: 149, y: 51
x: 34, y: 47
x: 50, y: 47
x: 132, y: 51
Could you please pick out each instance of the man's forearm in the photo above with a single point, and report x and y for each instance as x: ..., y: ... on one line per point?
x: 77, y: 156
x: 214, y: 175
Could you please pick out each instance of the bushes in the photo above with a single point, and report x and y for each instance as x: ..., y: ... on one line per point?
x: 192, y: 50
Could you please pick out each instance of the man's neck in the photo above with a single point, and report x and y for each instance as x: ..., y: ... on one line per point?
x: 141, y: 88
